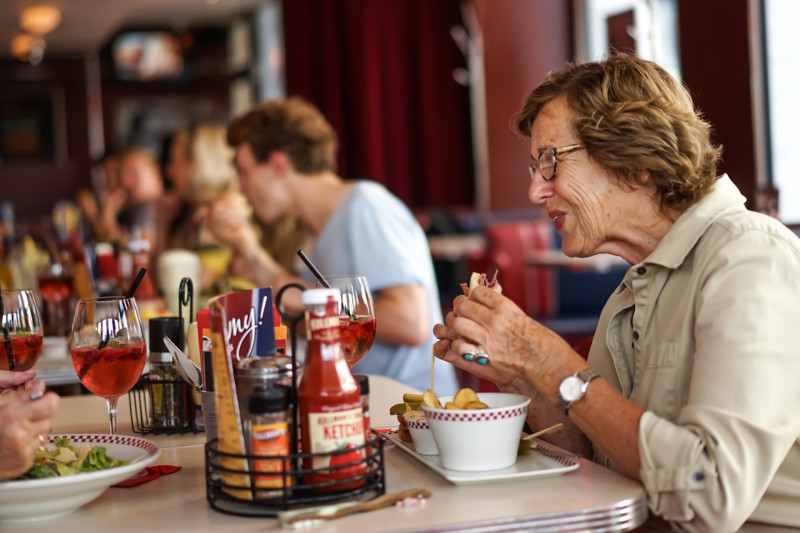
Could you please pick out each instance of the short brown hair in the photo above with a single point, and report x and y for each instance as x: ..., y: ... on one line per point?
x: 290, y: 125
x: 632, y: 115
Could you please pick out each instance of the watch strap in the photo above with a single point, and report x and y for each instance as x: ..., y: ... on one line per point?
x: 584, y: 375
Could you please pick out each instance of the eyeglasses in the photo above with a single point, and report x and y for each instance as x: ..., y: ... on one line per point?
x: 546, y: 163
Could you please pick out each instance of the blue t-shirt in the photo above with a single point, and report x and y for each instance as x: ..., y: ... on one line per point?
x: 374, y: 234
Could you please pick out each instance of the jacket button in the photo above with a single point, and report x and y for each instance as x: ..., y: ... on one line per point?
x: 698, y: 477
x: 641, y: 271
x: 636, y: 335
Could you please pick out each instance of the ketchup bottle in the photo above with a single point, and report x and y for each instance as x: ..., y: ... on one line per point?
x: 329, y: 400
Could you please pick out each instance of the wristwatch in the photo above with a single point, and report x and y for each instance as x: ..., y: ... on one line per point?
x: 573, y: 388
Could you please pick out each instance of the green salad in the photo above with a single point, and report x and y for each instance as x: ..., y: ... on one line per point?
x: 66, y: 460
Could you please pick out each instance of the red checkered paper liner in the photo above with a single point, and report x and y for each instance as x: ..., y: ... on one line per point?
x: 475, y: 415
x: 417, y: 423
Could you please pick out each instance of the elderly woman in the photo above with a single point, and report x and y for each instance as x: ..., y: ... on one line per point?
x: 691, y: 383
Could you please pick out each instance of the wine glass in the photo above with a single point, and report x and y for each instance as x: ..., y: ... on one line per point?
x: 357, y: 315
x: 108, y: 348
x: 21, y: 327
x: 55, y: 288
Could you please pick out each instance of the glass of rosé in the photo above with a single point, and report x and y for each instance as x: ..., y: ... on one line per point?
x: 356, y: 313
x: 108, y: 348
x: 21, y: 325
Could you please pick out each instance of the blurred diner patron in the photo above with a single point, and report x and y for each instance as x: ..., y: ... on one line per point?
x: 128, y: 211
x: 91, y: 201
x: 696, y: 353
x: 285, y: 158
x: 25, y: 423
x: 199, y: 170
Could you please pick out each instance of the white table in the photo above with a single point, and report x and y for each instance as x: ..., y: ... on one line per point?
x: 590, y: 498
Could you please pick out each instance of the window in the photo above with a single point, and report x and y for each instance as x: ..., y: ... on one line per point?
x: 782, y: 110
x: 647, y: 27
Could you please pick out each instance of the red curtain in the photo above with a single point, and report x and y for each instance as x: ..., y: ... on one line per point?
x: 381, y: 72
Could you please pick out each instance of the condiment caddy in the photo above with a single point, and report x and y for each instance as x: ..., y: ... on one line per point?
x: 236, y: 482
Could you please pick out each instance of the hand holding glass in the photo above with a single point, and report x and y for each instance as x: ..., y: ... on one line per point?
x: 21, y: 336
x: 108, y: 348
x: 357, y: 315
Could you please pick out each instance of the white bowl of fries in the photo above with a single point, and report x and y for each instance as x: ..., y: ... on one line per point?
x: 481, y: 438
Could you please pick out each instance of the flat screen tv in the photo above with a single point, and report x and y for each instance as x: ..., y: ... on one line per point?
x: 148, y: 56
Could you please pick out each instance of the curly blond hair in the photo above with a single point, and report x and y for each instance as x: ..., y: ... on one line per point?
x: 632, y: 115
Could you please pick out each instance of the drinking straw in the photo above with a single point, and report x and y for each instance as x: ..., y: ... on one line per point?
x: 9, y: 350
x: 313, y: 269
x: 321, y: 279
x: 130, y: 293
x: 136, y: 282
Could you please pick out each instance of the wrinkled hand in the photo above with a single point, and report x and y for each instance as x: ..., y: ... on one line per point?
x: 10, y: 381
x: 490, y: 322
x: 461, y: 334
x: 22, y: 421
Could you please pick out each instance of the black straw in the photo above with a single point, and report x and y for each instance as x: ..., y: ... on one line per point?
x: 131, y: 292
x: 9, y: 350
x: 136, y: 282
x: 313, y: 269
x: 322, y: 279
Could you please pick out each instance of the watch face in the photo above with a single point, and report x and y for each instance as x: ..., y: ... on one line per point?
x: 570, y: 389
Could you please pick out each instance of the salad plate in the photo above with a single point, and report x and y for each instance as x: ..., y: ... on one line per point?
x: 537, y: 464
x: 38, y: 499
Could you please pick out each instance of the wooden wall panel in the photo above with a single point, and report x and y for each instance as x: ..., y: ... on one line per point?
x: 523, y: 41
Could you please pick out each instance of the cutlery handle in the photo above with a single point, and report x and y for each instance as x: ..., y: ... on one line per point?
x: 377, y: 503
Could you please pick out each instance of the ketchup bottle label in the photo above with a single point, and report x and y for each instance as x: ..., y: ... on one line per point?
x: 325, y: 329
x: 331, y: 431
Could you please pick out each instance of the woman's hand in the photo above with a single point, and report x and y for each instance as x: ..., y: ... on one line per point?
x: 461, y: 335
x: 517, y: 346
x: 10, y: 381
x: 24, y: 424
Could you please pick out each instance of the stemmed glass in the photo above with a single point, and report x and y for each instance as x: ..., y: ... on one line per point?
x: 108, y: 348
x: 21, y: 325
x: 357, y: 315
x: 55, y: 288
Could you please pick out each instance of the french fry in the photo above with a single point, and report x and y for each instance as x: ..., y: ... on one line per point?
x: 463, y: 397
x: 430, y: 399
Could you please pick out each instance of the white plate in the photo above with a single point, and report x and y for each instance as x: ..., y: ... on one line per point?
x: 37, y: 499
x: 536, y: 464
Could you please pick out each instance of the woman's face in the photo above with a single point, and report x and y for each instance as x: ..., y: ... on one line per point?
x: 583, y: 200
x: 141, y: 178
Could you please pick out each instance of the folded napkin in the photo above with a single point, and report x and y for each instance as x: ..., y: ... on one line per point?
x: 148, y: 474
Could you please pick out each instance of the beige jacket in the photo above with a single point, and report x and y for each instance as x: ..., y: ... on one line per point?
x: 705, y: 334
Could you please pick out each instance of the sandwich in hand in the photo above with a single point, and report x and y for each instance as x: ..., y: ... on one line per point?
x: 478, y: 279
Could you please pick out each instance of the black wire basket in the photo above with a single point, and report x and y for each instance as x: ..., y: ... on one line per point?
x: 163, y: 406
x: 357, y: 480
